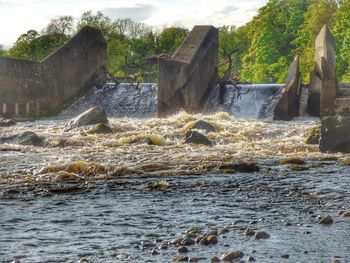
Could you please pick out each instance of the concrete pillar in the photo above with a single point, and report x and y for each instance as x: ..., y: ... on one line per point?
x: 186, y: 80
x: 323, y: 86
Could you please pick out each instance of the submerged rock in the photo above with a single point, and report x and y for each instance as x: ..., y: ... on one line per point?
x: 203, y: 125
x: 313, y: 135
x: 7, y: 122
x: 230, y: 256
x: 25, y: 138
x: 292, y: 160
x: 197, y: 138
x: 327, y: 220
x: 241, y: 167
x: 100, y: 128
x: 262, y: 235
x: 92, y: 116
x: 180, y: 258
x: 346, y: 214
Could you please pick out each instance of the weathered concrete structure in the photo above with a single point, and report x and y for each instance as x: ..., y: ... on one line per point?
x: 323, y: 86
x: 186, y: 80
x: 288, y: 106
x: 329, y: 100
x: 30, y: 88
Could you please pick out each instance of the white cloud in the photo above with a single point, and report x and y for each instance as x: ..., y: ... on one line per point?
x: 18, y: 16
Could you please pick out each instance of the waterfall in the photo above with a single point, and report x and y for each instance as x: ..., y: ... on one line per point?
x: 252, y: 101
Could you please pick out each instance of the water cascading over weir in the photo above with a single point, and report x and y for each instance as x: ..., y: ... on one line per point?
x: 188, y: 81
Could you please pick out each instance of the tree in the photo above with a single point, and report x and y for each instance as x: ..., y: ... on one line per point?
x: 62, y: 25
x: 98, y: 21
x: 342, y: 35
x: 170, y: 39
x: 3, y: 51
x: 319, y: 13
x: 270, y: 35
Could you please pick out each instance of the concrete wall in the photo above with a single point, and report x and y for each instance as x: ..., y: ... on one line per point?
x: 186, y: 80
x: 42, y: 88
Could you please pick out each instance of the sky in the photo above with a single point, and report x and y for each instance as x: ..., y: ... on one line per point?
x: 18, y: 16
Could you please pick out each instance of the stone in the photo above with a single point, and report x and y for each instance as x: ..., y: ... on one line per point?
x: 187, y: 242
x: 288, y: 106
x: 313, y: 135
x: 293, y: 160
x: 182, y: 249
x: 212, y: 232
x: 176, y: 241
x: 250, y: 259
x: 327, y: 220
x: 346, y: 214
x: 214, y: 260
x: 163, y: 246
x: 197, y: 138
x: 212, y: 239
x: 92, y: 116
x: 154, y: 252
x: 262, y: 235
x: 285, y: 256
x: 335, y: 136
x: 249, y: 232
x: 323, y: 86
x: 186, y: 80
x: 203, y: 125
x: 25, y: 138
x: 7, y: 122
x: 180, y: 258
x: 230, y: 256
x: 100, y: 128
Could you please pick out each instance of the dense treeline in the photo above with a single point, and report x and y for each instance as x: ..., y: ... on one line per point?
x: 260, y: 51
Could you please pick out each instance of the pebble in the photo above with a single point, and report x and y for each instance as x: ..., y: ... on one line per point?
x: 250, y: 259
x: 261, y: 235
x: 193, y: 259
x: 215, y: 260
x: 163, y: 246
x: 230, y: 256
x: 346, y: 214
x: 154, y: 252
x: 223, y: 231
x: 285, y: 256
x: 176, y: 241
x: 212, y: 239
x: 249, y: 232
x: 187, y: 242
x: 180, y: 258
x: 327, y: 220
x: 182, y: 250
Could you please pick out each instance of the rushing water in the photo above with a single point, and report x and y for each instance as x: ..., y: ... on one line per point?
x: 82, y: 195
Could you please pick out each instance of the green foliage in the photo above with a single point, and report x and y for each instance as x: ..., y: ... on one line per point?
x: 342, y: 35
x: 319, y: 13
x: 170, y: 39
x: 3, y: 52
x: 271, y: 34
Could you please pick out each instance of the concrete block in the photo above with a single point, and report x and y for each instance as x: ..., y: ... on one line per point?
x: 288, y: 106
x: 335, y: 134
x: 186, y: 80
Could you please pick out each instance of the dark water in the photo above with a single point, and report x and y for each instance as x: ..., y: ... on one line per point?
x: 106, y: 221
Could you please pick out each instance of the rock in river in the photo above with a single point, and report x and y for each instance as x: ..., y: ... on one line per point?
x: 7, y: 122
x: 230, y: 256
x: 262, y: 235
x: 203, y: 125
x: 92, y: 116
x: 197, y: 138
x: 100, y: 128
x: 25, y: 138
x: 327, y: 220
